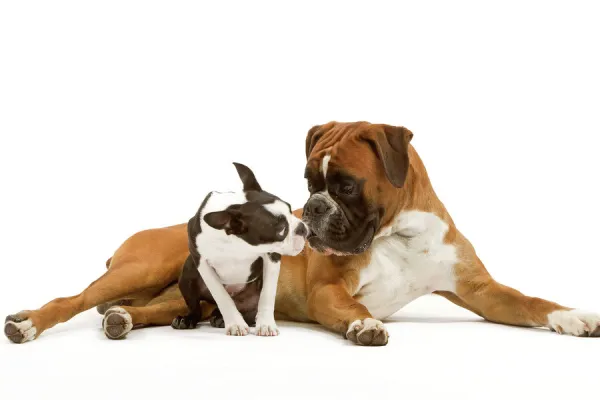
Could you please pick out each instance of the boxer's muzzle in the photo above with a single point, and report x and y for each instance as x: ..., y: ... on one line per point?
x: 335, y: 231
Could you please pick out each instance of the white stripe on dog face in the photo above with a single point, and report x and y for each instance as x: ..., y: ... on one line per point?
x: 278, y: 208
x: 325, y: 165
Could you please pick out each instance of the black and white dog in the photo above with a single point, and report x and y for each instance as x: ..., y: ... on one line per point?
x: 236, y: 241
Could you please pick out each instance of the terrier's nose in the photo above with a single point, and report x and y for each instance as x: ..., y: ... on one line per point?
x: 301, y: 230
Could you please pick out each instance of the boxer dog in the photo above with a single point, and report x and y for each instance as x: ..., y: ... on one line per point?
x: 235, y: 242
x: 379, y: 238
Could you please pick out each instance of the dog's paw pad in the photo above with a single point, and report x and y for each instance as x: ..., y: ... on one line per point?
x: 19, y: 329
x: 117, y: 323
x: 368, y: 332
x: 575, y: 322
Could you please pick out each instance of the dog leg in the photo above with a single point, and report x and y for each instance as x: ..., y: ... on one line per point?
x: 332, y: 306
x: 216, y: 319
x: 102, y: 308
x: 119, y: 321
x: 265, y: 317
x: 190, y: 284
x: 234, y: 322
x: 144, y: 264
x: 114, y: 284
x: 160, y: 311
x: 502, y: 304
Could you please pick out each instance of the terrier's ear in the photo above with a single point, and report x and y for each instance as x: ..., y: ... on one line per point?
x: 229, y: 220
x: 247, y: 177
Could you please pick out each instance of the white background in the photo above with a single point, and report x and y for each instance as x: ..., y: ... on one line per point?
x: 118, y: 116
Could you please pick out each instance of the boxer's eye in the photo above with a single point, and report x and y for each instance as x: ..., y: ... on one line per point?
x: 347, y: 188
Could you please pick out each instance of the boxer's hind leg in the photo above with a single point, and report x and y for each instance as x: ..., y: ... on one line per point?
x: 114, y: 284
x: 105, y: 306
x: 479, y: 292
x: 161, y: 311
x: 144, y: 264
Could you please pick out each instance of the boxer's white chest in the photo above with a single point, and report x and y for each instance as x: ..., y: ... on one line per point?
x: 408, y: 260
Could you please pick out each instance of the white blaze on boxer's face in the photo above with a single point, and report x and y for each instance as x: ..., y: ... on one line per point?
x: 325, y: 165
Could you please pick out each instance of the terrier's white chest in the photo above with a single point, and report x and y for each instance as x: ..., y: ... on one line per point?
x: 409, y: 259
x: 233, y: 272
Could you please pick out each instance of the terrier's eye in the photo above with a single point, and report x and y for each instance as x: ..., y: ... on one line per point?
x: 281, y: 226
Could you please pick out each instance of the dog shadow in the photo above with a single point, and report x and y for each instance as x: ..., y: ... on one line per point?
x: 432, y: 319
x: 400, y: 319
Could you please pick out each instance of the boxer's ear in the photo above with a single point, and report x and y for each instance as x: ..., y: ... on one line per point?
x: 314, y: 135
x: 229, y: 220
x: 391, y: 146
x: 247, y: 177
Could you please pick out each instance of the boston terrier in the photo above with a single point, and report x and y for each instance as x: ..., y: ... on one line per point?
x: 236, y: 241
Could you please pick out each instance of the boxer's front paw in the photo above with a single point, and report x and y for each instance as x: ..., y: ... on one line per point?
x: 368, y: 332
x: 184, y: 322
x: 238, y: 328
x: 266, y: 327
x: 19, y: 328
x: 575, y: 322
x: 116, y: 323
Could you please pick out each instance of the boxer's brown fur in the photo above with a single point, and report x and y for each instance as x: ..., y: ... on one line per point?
x: 312, y: 286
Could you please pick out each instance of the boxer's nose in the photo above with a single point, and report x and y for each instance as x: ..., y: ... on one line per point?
x: 301, y: 230
x: 317, y: 207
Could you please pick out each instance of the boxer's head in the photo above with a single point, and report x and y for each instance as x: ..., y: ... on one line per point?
x: 355, y: 174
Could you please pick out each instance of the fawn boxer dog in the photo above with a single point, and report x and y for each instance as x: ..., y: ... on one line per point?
x: 379, y: 238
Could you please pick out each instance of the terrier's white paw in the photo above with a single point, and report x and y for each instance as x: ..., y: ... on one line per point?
x: 19, y: 329
x: 266, y: 327
x: 238, y: 328
x: 575, y: 322
x: 368, y: 332
x: 117, y: 323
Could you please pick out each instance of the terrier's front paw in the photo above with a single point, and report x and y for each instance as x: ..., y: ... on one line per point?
x: 237, y: 329
x: 368, y: 332
x: 216, y: 319
x: 266, y: 327
x: 575, y: 322
x: 19, y: 328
